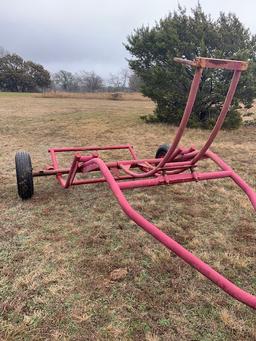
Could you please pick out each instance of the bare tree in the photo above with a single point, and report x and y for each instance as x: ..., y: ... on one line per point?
x: 89, y: 81
x: 65, y: 80
x: 115, y: 82
x: 124, y: 75
x: 119, y: 81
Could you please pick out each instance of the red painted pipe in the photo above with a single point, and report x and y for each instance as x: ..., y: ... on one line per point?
x: 222, y: 116
x: 236, y: 178
x: 188, y: 109
x: 171, y: 244
x: 173, y: 154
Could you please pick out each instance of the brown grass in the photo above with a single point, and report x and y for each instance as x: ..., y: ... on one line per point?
x: 73, y: 267
x: 125, y: 96
x: 249, y: 115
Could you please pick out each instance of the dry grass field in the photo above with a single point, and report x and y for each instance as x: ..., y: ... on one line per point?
x: 74, y: 267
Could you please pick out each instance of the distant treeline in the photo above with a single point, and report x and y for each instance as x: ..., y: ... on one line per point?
x: 90, y: 82
x: 18, y: 75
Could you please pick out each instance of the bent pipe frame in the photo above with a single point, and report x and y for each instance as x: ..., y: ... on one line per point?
x: 222, y: 282
x: 184, y: 121
x: 251, y: 194
x: 181, y: 164
x: 200, y: 63
x: 116, y: 187
x: 167, y: 178
x: 92, y: 162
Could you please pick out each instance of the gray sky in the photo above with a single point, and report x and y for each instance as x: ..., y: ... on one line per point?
x: 87, y: 35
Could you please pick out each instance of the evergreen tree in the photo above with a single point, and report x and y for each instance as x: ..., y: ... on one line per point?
x: 21, y: 76
x: 189, y: 36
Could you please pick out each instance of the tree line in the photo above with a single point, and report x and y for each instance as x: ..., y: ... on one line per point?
x: 18, y: 75
x: 84, y: 81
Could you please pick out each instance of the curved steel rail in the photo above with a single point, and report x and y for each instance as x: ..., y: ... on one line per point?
x: 166, y: 171
x: 223, y: 283
x: 200, y: 64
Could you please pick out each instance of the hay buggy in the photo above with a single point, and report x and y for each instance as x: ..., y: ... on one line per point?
x: 172, y: 164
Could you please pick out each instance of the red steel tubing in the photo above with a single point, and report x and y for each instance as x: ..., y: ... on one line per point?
x: 79, y: 149
x: 236, y: 178
x: 173, y: 179
x: 222, y: 116
x: 189, y: 106
x: 200, y: 64
x: 181, y: 160
x: 73, y: 171
x: 171, y: 244
x: 160, y: 180
x: 56, y: 166
x: 92, y: 148
x: 213, y: 63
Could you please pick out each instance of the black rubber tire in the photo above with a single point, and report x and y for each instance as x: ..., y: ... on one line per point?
x: 24, y: 175
x: 162, y: 150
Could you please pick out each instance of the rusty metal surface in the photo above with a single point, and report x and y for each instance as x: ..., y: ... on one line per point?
x: 213, y: 63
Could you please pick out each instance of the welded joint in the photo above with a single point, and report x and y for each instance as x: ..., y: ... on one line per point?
x: 193, y: 173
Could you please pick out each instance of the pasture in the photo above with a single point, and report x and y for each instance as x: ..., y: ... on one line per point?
x: 74, y: 267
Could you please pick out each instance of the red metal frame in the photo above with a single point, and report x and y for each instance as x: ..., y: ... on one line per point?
x: 177, y: 166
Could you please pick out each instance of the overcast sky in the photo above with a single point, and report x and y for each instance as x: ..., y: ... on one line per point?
x: 87, y: 35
